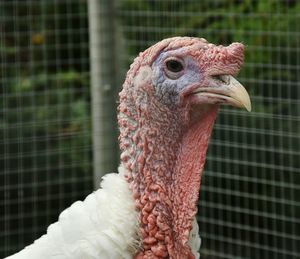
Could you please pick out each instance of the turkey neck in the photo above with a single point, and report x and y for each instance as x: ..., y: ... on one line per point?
x: 164, y: 150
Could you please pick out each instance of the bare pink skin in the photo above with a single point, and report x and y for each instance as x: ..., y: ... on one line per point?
x: 164, y: 148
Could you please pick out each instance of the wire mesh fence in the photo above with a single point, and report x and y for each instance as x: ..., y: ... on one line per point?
x: 249, y: 201
x: 45, y: 142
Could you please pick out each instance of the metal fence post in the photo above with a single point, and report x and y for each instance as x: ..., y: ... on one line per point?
x: 103, y: 86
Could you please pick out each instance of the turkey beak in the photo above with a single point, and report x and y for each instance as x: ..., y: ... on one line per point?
x: 225, y: 89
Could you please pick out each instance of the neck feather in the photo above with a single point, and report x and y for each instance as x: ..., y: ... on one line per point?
x: 164, y: 152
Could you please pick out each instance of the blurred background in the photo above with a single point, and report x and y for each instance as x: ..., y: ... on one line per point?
x: 62, y: 63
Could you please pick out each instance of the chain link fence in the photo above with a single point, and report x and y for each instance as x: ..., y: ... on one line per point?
x: 249, y: 201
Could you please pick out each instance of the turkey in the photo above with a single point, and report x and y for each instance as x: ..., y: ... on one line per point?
x: 167, y: 109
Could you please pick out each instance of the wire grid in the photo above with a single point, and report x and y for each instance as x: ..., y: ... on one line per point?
x: 45, y: 140
x: 249, y: 201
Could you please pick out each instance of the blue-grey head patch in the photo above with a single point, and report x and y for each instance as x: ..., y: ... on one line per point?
x: 167, y: 89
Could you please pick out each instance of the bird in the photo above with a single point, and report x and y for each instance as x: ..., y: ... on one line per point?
x: 167, y: 108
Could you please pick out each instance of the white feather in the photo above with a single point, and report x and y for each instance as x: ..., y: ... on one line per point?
x: 104, y: 225
x: 194, y: 239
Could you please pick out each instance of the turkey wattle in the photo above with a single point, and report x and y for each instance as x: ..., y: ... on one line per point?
x: 168, y: 106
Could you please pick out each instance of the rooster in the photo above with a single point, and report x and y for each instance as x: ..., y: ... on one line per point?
x: 168, y: 106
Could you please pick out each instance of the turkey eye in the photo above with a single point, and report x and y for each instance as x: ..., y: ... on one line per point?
x: 174, y: 65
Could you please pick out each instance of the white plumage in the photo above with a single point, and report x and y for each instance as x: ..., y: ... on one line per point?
x: 104, y: 225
